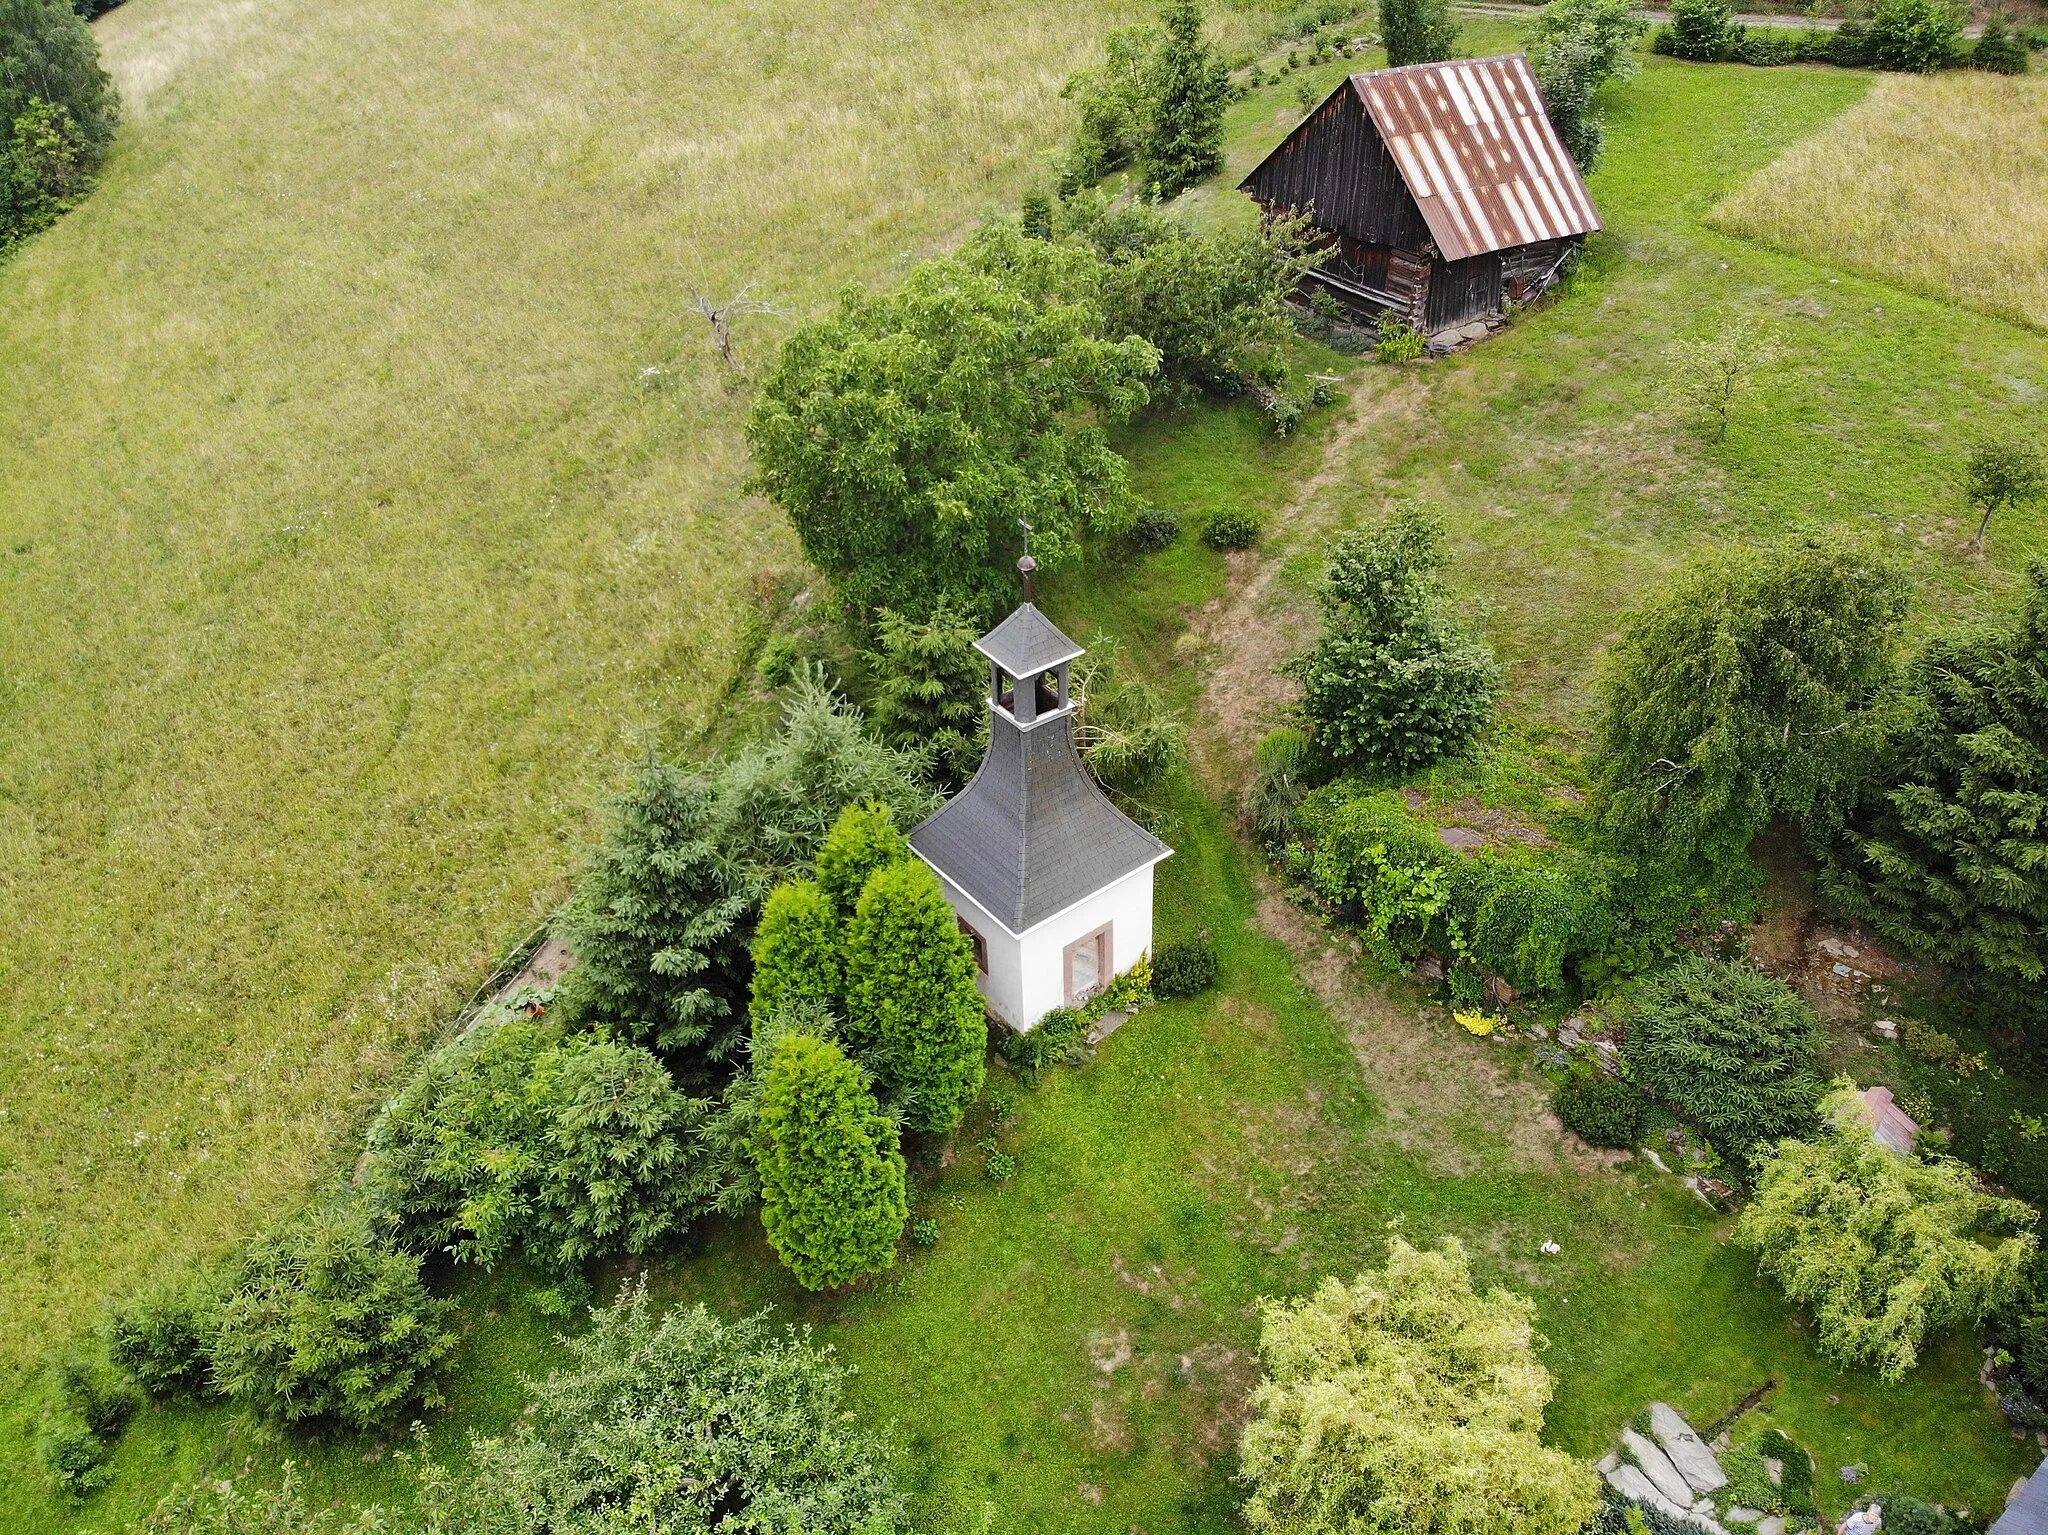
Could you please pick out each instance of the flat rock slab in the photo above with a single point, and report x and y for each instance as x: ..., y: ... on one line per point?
x: 1107, y: 1025
x: 1688, y: 1452
x: 1773, y: 1524
x: 1741, y: 1515
x: 1630, y: 1482
x: 1657, y: 1466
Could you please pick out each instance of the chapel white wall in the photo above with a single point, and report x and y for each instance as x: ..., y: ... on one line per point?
x: 1003, y: 987
x: 1127, y: 905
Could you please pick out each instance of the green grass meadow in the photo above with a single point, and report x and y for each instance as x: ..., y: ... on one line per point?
x: 362, y: 512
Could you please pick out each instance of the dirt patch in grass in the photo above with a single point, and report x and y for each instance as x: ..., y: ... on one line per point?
x: 1837, y: 965
x: 1262, y: 619
x: 1445, y: 1097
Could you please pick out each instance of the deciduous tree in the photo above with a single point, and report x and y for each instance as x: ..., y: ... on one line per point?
x: 1417, y: 31
x: 906, y: 434
x: 832, y: 1179
x: 672, y: 1421
x: 1731, y: 696
x: 1406, y: 1401
x: 1883, y: 1248
x: 2004, y: 475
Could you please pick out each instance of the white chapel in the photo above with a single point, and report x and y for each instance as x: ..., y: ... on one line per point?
x: 1051, y: 881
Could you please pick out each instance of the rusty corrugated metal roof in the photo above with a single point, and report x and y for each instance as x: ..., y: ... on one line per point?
x: 1478, y: 152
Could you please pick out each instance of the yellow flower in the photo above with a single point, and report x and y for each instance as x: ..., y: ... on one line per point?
x: 1475, y: 1023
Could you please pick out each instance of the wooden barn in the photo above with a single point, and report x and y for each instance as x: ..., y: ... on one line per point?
x: 1443, y: 189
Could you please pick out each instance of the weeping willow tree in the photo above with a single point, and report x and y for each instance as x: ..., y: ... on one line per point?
x: 1126, y: 737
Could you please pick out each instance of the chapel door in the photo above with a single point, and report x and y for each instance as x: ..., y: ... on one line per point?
x: 1087, y: 965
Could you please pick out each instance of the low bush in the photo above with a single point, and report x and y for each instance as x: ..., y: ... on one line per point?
x: 1155, y: 529
x: 1905, y: 1514
x: 1916, y: 36
x: 72, y: 1455
x: 1001, y: 1166
x: 1924, y: 1042
x: 924, y: 1231
x: 682, y: 1421
x: 324, y: 1323
x: 161, y: 1337
x: 2001, y: 51
x: 1733, y: 1049
x: 1398, y: 341
x: 1283, y: 761
x: 1058, y: 1036
x: 1185, y: 966
x: 1602, y: 1111
x: 1796, y: 1480
x: 1543, y: 919
x: 1703, y: 31
x: 1231, y: 530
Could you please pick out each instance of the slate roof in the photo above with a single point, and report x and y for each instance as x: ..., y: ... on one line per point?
x: 1026, y: 643
x: 1478, y: 152
x: 2027, y: 1513
x: 1032, y: 833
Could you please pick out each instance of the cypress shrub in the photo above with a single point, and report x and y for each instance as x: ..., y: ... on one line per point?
x: 912, y: 1006
x: 1917, y: 36
x: 833, y: 1199
x: 1733, y: 1049
x: 323, y: 1323
x: 864, y: 838
x: 1235, y: 529
x: 796, y: 949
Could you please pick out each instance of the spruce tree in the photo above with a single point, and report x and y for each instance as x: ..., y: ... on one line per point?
x: 1417, y: 31
x: 932, y: 686
x: 1948, y: 856
x: 864, y: 838
x: 912, y: 1006
x: 796, y: 950
x: 833, y: 1200
x: 1190, y: 88
x: 661, y: 924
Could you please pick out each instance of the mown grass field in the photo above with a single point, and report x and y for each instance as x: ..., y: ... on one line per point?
x: 1938, y: 183
x: 1069, y: 1357
x: 368, y: 497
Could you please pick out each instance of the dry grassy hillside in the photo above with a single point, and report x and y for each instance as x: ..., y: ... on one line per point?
x: 1938, y: 183
x: 368, y: 495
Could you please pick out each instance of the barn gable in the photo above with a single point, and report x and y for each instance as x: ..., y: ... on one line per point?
x: 1443, y: 190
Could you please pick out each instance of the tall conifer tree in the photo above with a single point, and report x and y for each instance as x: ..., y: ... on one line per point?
x: 912, y: 1006
x: 1190, y: 88
x: 833, y: 1200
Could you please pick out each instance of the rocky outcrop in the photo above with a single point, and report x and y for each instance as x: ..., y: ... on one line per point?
x: 1688, y: 1452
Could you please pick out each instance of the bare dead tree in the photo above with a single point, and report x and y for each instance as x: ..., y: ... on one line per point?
x: 722, y: 315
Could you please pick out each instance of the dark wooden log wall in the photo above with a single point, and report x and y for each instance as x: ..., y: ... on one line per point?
x: 1336, y: 167
x: 1462, y: 291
